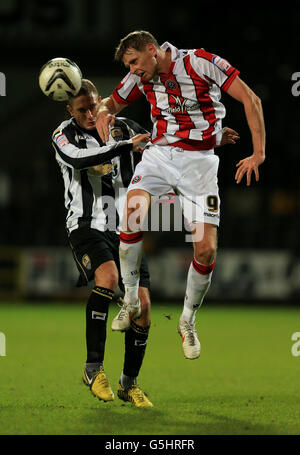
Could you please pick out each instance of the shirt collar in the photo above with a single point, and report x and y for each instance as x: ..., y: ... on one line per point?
x: 174, y: 50
x: 92, y: 132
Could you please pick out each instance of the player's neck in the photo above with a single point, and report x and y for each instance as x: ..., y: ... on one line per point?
x: 163, y: 61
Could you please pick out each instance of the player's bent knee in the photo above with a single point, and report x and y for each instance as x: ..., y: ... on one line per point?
x: 136, y: 209
x: 144, y: 320
x: 205, y: 253
x: 110, y: 283
x: 107, y: 276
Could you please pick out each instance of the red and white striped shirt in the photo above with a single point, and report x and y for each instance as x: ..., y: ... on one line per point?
x: 185, y: 103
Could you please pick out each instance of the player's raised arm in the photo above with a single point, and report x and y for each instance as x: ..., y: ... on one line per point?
x: 255, y: 118
x: 108, y: 108
x: 75, y: 157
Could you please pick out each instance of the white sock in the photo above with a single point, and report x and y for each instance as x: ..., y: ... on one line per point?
x: 130, y: 261
x: 198, y: 283
x: 131, y: 294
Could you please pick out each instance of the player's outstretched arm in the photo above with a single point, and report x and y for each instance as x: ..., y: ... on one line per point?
x: 255, y: 118
x: 107, y: 110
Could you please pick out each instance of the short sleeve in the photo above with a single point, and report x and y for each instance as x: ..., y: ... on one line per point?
x: 214, y: 68
x: 127, y: 91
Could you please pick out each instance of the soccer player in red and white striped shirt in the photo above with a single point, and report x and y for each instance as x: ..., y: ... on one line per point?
x: 183, y: 88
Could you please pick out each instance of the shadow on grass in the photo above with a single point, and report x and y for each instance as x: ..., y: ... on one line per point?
x: 119, y: 419
x: 127, y: 420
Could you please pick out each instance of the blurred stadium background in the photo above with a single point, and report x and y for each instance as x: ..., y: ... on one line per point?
x: 259, y: 250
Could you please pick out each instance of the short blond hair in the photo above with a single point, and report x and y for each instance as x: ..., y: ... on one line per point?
x: 137, y: 40
x: 87, y: 87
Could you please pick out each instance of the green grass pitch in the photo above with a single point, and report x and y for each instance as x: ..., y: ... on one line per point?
x: 246, y: 380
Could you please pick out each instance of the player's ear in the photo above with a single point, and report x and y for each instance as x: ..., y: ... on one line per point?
x: 151, y: 48
x: 99, y: 99
x: 70, y: 110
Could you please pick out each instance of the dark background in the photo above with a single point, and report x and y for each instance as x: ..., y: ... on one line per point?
x: 262, y: 41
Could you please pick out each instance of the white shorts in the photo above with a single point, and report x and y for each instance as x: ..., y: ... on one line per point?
x: 190, y: 174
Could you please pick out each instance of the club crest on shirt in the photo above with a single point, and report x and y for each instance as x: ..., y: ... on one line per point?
x: 86, y: 262
x: 136, y: 179
x: 171, y: 85
x: 117, y: 134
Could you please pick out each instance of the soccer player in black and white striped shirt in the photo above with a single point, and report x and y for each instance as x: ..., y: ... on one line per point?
x: 92, y: 171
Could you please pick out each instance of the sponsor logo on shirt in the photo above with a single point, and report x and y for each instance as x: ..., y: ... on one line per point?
x: 79, y: 137
x: 183, y: 105
x: 102, y: 169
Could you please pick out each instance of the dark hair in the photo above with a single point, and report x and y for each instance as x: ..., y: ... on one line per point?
x: 87, y: 87
x: 137, y: 40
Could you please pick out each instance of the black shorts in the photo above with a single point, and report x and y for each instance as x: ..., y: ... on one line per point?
x: 92, y: 248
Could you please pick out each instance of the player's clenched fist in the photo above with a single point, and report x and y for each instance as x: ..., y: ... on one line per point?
x: 138, y: 139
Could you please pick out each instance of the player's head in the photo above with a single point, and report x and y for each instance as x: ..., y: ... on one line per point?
x: 83, y: 106
x: 138, y: 51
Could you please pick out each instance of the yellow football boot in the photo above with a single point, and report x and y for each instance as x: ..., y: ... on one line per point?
x: 135, y: 395
x: 99, y: 385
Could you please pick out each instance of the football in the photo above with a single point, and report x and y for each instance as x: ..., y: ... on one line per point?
x: 60, y: 78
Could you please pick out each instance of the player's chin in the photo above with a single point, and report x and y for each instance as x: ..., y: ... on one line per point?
x: 90, y: 125
x: 147, y: 77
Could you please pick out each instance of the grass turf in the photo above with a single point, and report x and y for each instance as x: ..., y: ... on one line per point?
x: 245, y: 382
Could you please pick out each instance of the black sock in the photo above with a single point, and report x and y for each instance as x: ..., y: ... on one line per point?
x: 135, y: 346
x: 96, y: 318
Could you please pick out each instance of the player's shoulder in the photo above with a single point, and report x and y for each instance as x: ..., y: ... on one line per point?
x: 65, y: 125
x: 130, y: 78
x: 216, y: 62
x: 199, y: 52
x: 204, y: 54
x: 69, y: 132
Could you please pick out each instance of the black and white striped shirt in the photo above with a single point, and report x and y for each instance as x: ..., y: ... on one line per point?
x: 95, y: 174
